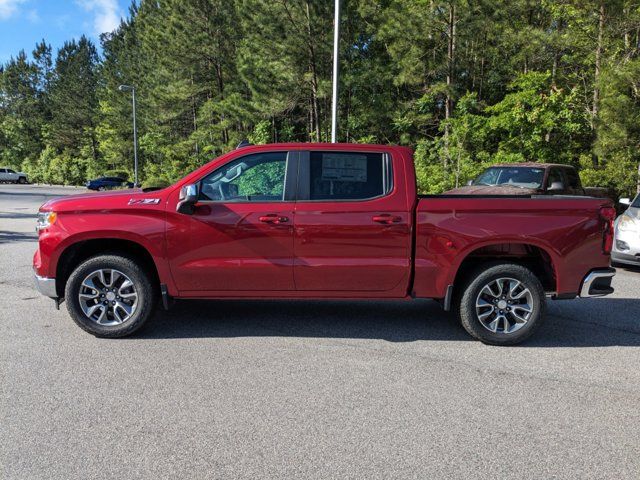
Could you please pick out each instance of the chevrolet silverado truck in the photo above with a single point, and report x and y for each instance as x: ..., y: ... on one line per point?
x: 322, y: 221
x: 529, y: 179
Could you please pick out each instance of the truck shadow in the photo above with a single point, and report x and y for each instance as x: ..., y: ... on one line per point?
x: 581, y: 323
x: 7, y: 236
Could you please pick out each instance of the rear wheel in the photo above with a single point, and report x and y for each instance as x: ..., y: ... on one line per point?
x: 502, y: 304
x: 110, y: 296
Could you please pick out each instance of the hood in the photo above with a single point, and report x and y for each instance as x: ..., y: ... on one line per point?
x: 491, y: 190
x: 105, y: 200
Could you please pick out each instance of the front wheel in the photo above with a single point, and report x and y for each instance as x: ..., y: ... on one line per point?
x: 110, y: 296
x: 502, y: 304
x: 22, y: 180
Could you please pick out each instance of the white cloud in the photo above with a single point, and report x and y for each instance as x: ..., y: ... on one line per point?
x: 33, y: 16
x: 8, y: 8
x: 107, y: 14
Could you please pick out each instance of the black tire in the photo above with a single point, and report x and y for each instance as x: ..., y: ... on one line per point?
x: 101, y: 189
x: 144, y: 286
x: 465, y: 303
x: 22, y: 180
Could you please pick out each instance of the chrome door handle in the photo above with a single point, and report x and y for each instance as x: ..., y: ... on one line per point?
x: 273, y: 218
x: 386, y: 218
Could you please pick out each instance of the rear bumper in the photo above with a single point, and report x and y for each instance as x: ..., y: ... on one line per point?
x: 46, y: 286
x: 597, y: 283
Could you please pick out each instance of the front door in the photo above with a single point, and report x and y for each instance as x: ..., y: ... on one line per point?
x: 240, y: 237
x: 352, y: 231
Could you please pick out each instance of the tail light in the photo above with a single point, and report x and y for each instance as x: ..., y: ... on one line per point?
x: 608, y: 215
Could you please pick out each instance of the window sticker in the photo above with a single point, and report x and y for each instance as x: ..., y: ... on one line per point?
x: 344, y: 168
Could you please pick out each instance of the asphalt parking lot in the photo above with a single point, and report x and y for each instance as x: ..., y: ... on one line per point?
x: 237, y: 389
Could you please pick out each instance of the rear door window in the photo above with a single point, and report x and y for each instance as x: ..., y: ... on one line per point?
x: 572, y: 178
x: 336, y: 176
x: 555, y: 175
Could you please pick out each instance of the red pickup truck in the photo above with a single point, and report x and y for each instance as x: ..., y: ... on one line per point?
x: 321, y: 221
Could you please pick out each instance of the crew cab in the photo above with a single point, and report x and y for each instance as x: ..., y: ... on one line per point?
x: 328, y: 221
x: 529, y: 179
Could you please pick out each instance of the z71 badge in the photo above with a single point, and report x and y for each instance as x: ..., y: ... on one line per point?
x: 144, y: 201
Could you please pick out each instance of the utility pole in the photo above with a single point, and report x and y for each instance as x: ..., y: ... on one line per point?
x: 336, y: 64
x: 123, y: 88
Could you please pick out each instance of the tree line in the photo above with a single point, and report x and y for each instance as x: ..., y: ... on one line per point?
x: 466, y: 83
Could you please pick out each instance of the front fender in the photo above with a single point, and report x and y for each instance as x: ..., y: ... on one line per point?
x: 146, y: 229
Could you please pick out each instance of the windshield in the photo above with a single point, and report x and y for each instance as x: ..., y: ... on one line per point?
x: 523, y: 177
x: 636, y: 202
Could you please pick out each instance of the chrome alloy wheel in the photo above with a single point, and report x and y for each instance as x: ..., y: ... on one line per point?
x: 108, y: 297
x: 504, y: 305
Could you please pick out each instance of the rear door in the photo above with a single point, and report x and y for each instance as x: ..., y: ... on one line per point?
x: 240, y: 237
x: 352, y: 231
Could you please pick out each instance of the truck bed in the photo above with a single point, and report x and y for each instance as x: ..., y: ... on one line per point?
x: 563, y: 231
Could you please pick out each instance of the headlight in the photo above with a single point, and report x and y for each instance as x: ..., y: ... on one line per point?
x: 627, y: 224
x: 45, y: 220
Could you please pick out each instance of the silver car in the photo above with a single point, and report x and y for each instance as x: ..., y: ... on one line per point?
x: 626, y: 247
x: 10, y: 175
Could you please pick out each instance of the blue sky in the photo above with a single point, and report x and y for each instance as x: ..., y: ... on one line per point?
x: 23, y: 23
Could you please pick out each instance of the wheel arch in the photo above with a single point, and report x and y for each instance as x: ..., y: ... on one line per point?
x: 79, y: 251
x: 534, y: 257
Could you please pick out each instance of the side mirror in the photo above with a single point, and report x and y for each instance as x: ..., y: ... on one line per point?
x: 469, y: 183
x: 188, y: 198
x: 556, y: 187
x: 625, y: 201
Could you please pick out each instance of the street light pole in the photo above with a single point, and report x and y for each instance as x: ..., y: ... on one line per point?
x: 336, y: 64
x: 122, y: 88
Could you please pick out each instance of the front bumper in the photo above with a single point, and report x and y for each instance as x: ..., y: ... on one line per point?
x: 625, y: 258
x: 46, y: 286
x: 630, y: 251
x: 597, y: 283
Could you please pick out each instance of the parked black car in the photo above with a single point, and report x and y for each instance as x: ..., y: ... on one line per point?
x: 108, y: 183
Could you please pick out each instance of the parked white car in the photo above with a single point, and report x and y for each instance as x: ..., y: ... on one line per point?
x: 626, y: 245
x: 8, y: 175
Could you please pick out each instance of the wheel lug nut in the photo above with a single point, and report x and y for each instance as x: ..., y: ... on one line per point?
x: 501, y: 311
x: 113, y: 303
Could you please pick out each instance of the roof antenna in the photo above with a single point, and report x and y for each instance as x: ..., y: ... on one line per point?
x: 244, y: 143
